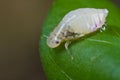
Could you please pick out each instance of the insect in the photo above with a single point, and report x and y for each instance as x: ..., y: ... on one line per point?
x: 75, y: 24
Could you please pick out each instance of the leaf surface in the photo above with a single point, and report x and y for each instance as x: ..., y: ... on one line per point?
x: 96, y: 57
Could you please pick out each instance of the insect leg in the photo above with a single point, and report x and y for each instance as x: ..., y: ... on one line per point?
x: 66, y: 47
x: 103, y: 27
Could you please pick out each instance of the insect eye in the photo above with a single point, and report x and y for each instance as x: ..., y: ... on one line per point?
x: 57, y: 42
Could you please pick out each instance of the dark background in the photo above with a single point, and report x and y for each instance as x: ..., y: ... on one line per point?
x: 20, y: 24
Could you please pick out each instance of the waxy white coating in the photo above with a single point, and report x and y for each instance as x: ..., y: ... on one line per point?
x: 76, y: 24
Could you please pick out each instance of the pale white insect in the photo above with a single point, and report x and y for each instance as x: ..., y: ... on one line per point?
x: 76, y: 24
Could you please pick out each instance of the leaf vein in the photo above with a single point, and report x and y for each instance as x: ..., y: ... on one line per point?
x: 62, y: 71
x: 101, y: 41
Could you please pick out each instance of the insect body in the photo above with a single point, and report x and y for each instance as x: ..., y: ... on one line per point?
x: 76, y: 24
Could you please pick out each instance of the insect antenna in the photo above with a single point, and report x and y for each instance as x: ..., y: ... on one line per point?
x: 45, y: 36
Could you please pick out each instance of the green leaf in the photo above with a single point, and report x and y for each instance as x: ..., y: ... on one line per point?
x: 96, y: 57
